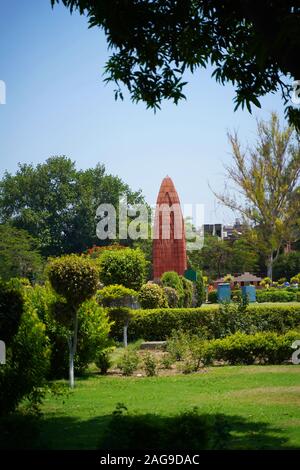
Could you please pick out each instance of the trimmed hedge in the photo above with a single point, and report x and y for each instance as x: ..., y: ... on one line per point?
x: 276, y: 295
x: 263, y: 348
x: 157, y: 324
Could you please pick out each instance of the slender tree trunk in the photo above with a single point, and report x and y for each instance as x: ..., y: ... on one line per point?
x: 71, y: 364
x: 72, y: 350
x: 270, y: 266
x: 125, y: 329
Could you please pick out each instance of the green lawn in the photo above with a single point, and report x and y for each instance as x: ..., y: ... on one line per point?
x: 262, y: 404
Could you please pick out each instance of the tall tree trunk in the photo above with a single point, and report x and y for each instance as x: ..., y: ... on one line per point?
x: 72, y: 342
x: 71, y: 364
x: 270, y: 266
x: 125, y: 329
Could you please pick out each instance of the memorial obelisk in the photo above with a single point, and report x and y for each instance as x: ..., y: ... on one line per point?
x: 169, y: 247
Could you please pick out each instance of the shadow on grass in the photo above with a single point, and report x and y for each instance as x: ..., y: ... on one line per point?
x: 121, y: 430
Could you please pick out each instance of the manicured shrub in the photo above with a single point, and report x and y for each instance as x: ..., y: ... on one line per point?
x: 27, y: 363
x: 150, y: 364
x: 76, y: 279
x: 172, y: 279
x: 267, y: 347
x: 152, y: 296
x: 275, y: 295
x: 187, y: 292
x: 129, y: 361
x: 239, y: 348
x: 158, y: 324
x: 127, y: 267
x: 73, y: 277
x: 119, y: 300
x: 172, y: 297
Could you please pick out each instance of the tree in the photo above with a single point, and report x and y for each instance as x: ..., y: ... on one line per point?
x: 120, y: 300
x: 213, y: 258
x: 249, y: 45
x: 19, y: 256
x: 287, y: 265
x: 244, y: 256
x: 265, y: 178
x: 57, y: 204
x: 127, y: 267
x: 76, y: 278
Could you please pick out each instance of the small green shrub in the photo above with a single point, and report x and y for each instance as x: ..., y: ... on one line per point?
x: 172, y: 297
x: 152, y: 296
x: 166, y: 361
x: 172, y: 279
x: 177, y: 344
x: 128, y: 362
x: 150, y: 365
x: 103, y: 361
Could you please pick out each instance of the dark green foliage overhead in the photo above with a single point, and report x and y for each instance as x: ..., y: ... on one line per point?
x: 251, y: 45
x: 56, y: 203
x: 11, y: 309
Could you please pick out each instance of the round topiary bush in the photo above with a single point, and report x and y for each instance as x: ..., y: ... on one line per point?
x: 125, y: 267
x: 152, y: 296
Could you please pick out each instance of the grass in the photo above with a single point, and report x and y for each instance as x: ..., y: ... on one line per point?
x: 262, y: 404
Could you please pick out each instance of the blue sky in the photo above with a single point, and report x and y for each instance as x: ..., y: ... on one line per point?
x: 57, y: 104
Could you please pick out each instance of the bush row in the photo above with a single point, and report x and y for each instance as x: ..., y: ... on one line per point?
x: 239, y: 348
x: 214, y: 321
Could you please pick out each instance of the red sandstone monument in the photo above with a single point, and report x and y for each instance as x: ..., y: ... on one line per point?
x: 169, y: 249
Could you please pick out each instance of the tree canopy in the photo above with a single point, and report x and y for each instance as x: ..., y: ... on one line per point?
x: 56, y: 203
x: 253, y: 45
x: 265, y: 179
x: 19, y: 256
